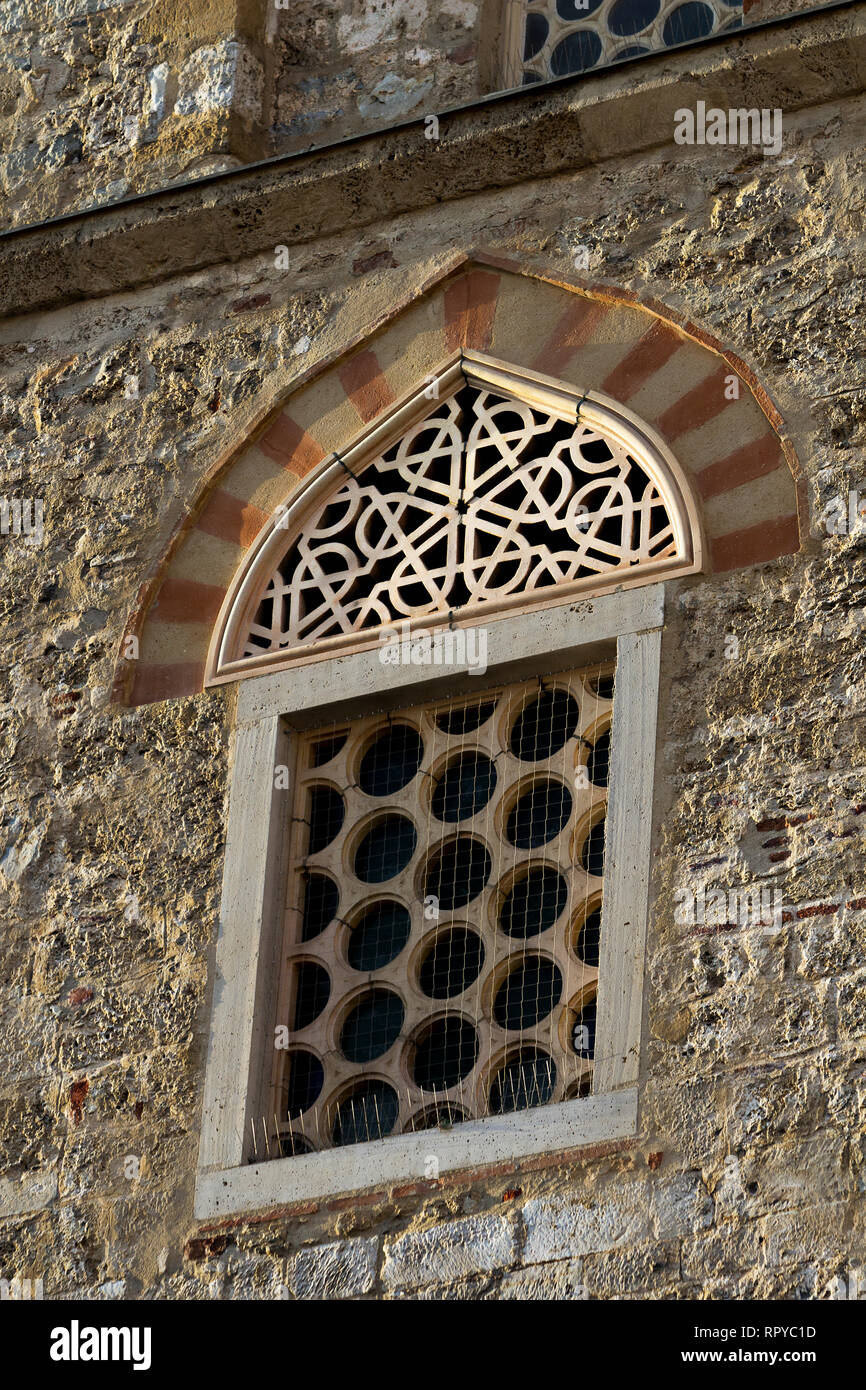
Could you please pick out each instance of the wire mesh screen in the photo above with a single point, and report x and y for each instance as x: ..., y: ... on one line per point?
x: 443, y: 909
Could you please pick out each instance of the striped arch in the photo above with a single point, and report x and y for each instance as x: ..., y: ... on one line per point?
x: 701, y: 402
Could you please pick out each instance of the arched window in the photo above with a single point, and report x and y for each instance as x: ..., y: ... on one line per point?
x: 438, y: 847
x: 489, y: 490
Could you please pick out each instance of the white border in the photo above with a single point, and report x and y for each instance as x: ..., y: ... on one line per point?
x: 247, y: 944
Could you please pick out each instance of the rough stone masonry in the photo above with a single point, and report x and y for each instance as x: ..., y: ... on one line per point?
x: 138, y: 342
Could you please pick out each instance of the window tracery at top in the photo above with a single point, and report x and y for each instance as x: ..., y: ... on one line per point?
x: 486, y: 501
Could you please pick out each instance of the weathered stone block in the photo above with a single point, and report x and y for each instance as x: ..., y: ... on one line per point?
x: 471, y: 1245
x: 557, y: 1228
x: 344, y: 1269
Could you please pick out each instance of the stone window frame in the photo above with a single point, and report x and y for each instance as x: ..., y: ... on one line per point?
x: 624, y: 625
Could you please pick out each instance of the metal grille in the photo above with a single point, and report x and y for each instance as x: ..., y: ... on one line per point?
x: 441, y: 941
x: 558, y: 37
x: 484, y: 499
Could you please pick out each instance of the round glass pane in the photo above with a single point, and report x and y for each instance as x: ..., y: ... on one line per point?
x: 451, y: 964
x: 378, y: 936
x: 447, y: 1052
x: 464, y: 788
x: 527, y: 994
x: 372, y: 1026
x: 391, y: 761
x: 386, y: 849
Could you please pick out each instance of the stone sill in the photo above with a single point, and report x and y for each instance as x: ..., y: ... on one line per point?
x: 565, y: 1127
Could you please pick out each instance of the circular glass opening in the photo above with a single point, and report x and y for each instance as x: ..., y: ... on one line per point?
x: 583, y: 1031
x: 527, y: 994
x: 369, y: 1111
x: 464, y: 787
x: 592, y: 854
x: 446, y: 1053
x: 378, y: 936
x: 391, y: 761
x: 304, y: 1077
x: 312, y: 991
x: 533, y: 903
x: 465, y: 719
x: 326, y: 815
x: 372, y: 1026
x: 526, y: 1080
x: 457, y: 873
x: 386, y: 849
x: 588, y: 940
x: 452, y: 963
x: 576, y: 52
x: 545, y: 726
x: 628, y: 17
x: 539, y: 814
x: 693, y: 20
x: 438, y: 1117
x: 598, y: 762
x: 321, y: 900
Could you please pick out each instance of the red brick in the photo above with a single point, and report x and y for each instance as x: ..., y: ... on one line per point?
x: 290, y: 446
x: 574, y: 327
x: 365, y: 385
x: 470, y: 308
x: 742, y: 466
x: 187, y: 601
x: 696, y: 407
x: 168, y: 682
x: 649, y: 353
x: 755, y: 545
x: 230, y: 518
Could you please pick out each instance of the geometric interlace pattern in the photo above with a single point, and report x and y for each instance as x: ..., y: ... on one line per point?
x: 484, y: 498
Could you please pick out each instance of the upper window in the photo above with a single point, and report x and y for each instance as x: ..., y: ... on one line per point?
x: 558, y: 37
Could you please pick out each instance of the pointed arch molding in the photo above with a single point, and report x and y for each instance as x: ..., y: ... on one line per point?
x: 486, y: 488
x: 653, y: 386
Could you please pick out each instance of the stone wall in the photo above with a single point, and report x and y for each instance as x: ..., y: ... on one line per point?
x: 747, y: 1175
x: 104, y: 99
x: 101, y: 100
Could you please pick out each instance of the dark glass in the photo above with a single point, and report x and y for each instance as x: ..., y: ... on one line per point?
x: 528, y: 994
x: 385, y: 850
x: 592, y: 855
x: 321, y: 900
x: 368, y: 1113
x: 378, y: 936
x: 544, y: 726
x: 451, y: 965
x: 305, y: 1077
x: 391, y: 761
x: 464, y: 788
x: 447, y: 1053
x: 312, y: 992
x: 525, y: 1081
x: 575, y: 53
x: 629, y: 17
x: 533, y: 903
x: 372, y: 1026
x: 539, y: 814
x: 327, y: 812
x: 457, y: 873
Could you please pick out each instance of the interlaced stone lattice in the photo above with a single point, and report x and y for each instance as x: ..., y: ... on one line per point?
x: 484, y: 498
